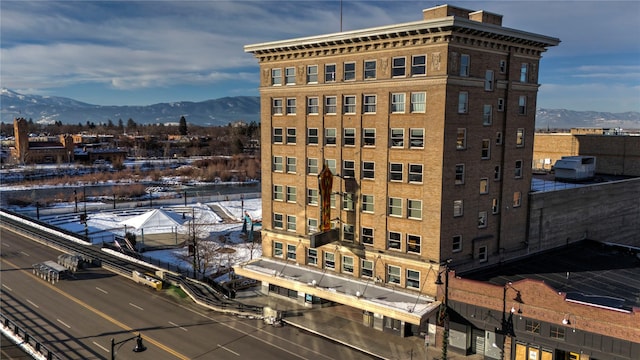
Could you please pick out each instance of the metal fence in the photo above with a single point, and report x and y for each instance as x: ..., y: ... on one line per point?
x: 28, y: 339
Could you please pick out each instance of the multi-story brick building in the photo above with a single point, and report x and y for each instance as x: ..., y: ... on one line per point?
x: 427, y: 128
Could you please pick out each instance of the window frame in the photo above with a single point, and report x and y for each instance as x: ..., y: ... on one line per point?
x: 517, y: 199
x: 367, y: 139
x: 290, y: 75
x: 313, y: 109
x: 413, y: 279
x: 483, y: 254
x: 366, y: 269
x: 458, y: 208
x: 349, y: 74
x: 277, y: 107
x: 520, y: 137
x: 522, y: 105
x: 292, y: 106
x: 349, y: 137
x: 313, y: 139
x: 312, y: 197
x: 416, y: 135
x: 461, y: 143
x: 312, y: 77
x: 348, y: 169
x: 292, y: 223
x: 465, y: 65
x: 418, y: 69
x: 277, y: 135
x: 414, y: 209
x: 518, y: 172
x: 368, y: 170
x: 291, y: 165
x: 349, y: 106
x: 369, y: 107
x: 330, y: 140
x: 414, y: 176
x: 487, y: 115
x: 488, y: 80
x: 278, y: 221
x: 278, y: 192
x: 414, y: 243
x: 348, y: 201
x: 394, y: 240
x: 278, y: 249
x: 329, y: 260
x: 367, y: 70
x: 311, y: 166
x: 483, y: 219
x: 330, y: 76
x: 330, y: 105
x: 291, y: 195
x: 396, y: 172
x: 418, y: 102
x: 366, y: 238
x: 292, y: 135
x: 396, y: 138
x: 459, y: 174
x: 456, y: 243
x: 463, y: 102
x: 311, y: 229
x: 276, y: 80
x: 348, y: 232
x: 277, y: 166
x: 398, y: 103
x: 485, y: 149
x: 291, y: 255
x: 368, y: 203
x: 398, y: 66
x: 347, y: 266
x: 394, y: 275
x: 394, y: 206
x: 312, y: 259
x: 484, y: 186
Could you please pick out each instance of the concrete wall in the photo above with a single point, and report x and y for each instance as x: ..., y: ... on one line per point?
x: 608, y: 212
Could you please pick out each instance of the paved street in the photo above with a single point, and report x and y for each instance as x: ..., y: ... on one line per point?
x: 79, y: 316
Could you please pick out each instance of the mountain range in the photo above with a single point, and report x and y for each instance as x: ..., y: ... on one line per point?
x: 222, y: 111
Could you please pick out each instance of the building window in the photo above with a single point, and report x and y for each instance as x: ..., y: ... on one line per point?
x: 487, y: 115
x: 520, y: 137
x: 278, y: 192
x: 484, y: 186
x: 347, y: 232
x: 348, y: 168
x: 278, y: 249
x: 276, y: 77
x: 366, y: 268
x: 330, y: 73
x: 291, y: 252
x: 488, y: 80
x: 419, y: 65
x: 395, y: 206
x: 312, y: 136
x: 349, y: 138
x: 331, y: 164
x: 415, y: 173
x: 277, y: 163
x: 464, y: 65
x: 349, y: 104
x: 397, y: 138
x: 496, y: 173
x: 500, y: 104
x: 522, y: 105
x: 499, y: 138
x: 463, y: 102
x: 485, y: 151
x: 482, y: 219
x: 312, y: 225
x: 482, y: 253
x: 312, y: 74
x: 369, y: 69
x: 394, y: 242
x: 459, y: 174
x: 291, y: 194
x: 398, y: 66
x: 291, y: 135
x: 524, y: 70
x: 329, y: 261
x: 503, y: 66
x: 518, y: 169
x: 347, y: 202
x: 532, y: 326
x: 312, y: 106
x: 367, y: 236
x: 517, y: 199
x: 416, y: 138
x: 312, y: 257
x: 278, y: 135
x: 413, y: 279
x: 349, y: 71
x: 395, y: 171
x: 291, y: 106
x: 556, y: 332
x: 330, y: 105
x: 276, y: 108
x: 413, y: 243
x: 418, y: 102
x: 368, y: 169
x: 369, y: 104
x: 495, y: 206
x: 312, y: 166
x: 458, y: 208
x: 291, y: 165
x: 290, y: 76
x: 291, y: 223
x: 414, y: 209
x: 367, y: 203
x: 312, y: 197
x: 397, y: 103
x: 456, y: 244
x: 461, y: 139
x: 278, y: 223
x: 347, y: 264
x: 393, y: 274
x: 369, y: 137
x: 330, y: 136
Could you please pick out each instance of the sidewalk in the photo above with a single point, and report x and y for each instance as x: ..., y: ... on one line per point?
x: 343, y: 325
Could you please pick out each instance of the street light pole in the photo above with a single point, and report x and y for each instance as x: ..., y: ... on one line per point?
x: 138, y: 348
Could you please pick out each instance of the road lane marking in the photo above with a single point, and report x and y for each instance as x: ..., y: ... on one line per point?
x: 178, y: 326
x: 101, y: 347
x: 136, y: 306
x: 229, y: 350
x: 32, y: 303
x: 104, y: 291
x: 108, y: 318
x: 63, y: 323
x: 6, y: 287
x: 24, y: 253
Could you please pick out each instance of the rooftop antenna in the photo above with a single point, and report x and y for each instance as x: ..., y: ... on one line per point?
x: 340, y: 15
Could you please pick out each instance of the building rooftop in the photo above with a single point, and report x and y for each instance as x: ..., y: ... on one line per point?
x: 589, y: 272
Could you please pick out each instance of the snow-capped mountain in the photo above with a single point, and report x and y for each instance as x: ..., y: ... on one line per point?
x: 47, y: 109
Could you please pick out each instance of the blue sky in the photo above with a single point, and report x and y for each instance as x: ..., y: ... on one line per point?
x: 147, y: 52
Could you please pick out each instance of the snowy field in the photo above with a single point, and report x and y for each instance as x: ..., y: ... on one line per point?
x: 213, y: 232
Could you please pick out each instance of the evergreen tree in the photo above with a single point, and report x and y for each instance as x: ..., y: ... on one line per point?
x: 182, y: 127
